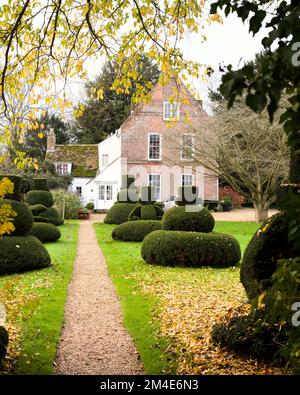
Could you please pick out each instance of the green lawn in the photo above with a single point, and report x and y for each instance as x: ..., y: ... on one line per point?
x: 35, y: 307
x: 162, y: 305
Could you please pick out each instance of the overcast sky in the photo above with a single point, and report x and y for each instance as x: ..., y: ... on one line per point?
x: 230, y: 43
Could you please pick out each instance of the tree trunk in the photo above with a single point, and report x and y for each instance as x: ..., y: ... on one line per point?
x: 261, y: 213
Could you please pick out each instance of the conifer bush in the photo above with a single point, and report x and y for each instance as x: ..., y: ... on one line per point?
x: 135, y: 230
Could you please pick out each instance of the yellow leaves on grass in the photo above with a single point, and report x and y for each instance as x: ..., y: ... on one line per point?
x: 191, y: 301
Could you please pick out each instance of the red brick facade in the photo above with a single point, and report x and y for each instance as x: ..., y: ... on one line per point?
x: 148, y: 119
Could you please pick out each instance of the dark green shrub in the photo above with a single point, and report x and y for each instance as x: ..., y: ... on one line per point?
x: 52, y: 216
x: 37, y: 208
x: 127, y: 196
x: 187, y: 195
x: 23, y: 220
x: 90, y: 206
x: 148, y: 212
x: 18, y: 184
x: 177, y: 248
x: 3, y: 341
x: 178, y: 218
x: 268, y: 244
x: 39, y: 197
x: 36, y: 218
x: 40, y: 184
x: 119, y: 213
x: 147, y: 195
x: 45, y: 232
x: 241, y: 336
x: 22, y: 253
x: 135, y: 230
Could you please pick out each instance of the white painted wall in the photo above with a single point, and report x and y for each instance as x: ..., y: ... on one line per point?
x: 108, y: 175
x: 87, y: 194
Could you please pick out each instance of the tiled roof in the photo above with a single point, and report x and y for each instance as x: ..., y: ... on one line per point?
x: 84, y: 158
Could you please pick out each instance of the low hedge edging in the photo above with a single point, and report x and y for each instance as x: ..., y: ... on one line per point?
x: 135, y: 230
x: 192, y: 249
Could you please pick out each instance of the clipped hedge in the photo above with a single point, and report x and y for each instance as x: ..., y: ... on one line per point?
x: 268, y: 244
x: 21, y: 253
x: 177, y: 248
x: 178, y: 218
x: 40, y: 219
x: 3, y: 341
x: 135, y: 230
x: 39, y: 197
x: 45, y: 232
x: 23, y: 220
x: 40, y: 184
x: 148, y: 212
x: 52, y: 216
x: 18, y: 184
x: 37, y: 208
x: 240, y: 335
x: 119, y: 213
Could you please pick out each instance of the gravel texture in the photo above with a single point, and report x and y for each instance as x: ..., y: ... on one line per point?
x: 94, y: 340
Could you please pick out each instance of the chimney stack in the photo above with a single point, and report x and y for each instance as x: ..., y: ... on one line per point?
x: 51, y: 140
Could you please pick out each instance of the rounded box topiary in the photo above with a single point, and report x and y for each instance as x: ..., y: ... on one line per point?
x: 36, y: 209
x: 135, y: 230
x: 39, y: 197
x: 3, y: 341
x: 52, y: 216
x: 192, y: 249
x: 187, y: 195
x: 18, y: 183
x: 45, y: 232
x: 268, y: 244
x: 22, y: 253
x: 23, y: 220
x: 119, y: 213
x: 196, y: 220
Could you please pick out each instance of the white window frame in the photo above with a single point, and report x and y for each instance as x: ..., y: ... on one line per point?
x: 193, y: 147
x: 156, y: 174
x: 188, y: 174
x: 78, y: 194
x: 172, y: 116
x: 69, y: 167
x: 160, y: 146
x: 102, y: 162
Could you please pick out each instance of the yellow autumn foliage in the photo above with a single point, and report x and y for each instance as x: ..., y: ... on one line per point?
x: 7, y: 214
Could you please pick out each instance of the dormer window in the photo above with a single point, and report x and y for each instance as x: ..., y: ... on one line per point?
x: 170, y: 111
x: 63, y: 169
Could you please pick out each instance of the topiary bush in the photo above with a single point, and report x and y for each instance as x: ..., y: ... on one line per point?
x: 40, y: 184
x: 119, y: 213
x: 178, y: 248
x: 39, y: 197
x: 21, y: 253
x: 23, y: 220
x: 267, y: 245
x: 240, y: 335
x: 18, y: 184
x: 52, y: 216
x: 178, y: 218
x: 135, y: 230
x: 37, y: 208
x: 3, y: 341
x: 45, y: 232
x: 187, y: 195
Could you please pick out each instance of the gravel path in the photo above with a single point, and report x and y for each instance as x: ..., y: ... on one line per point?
x: 242, y: 214
x: 94, y: 340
